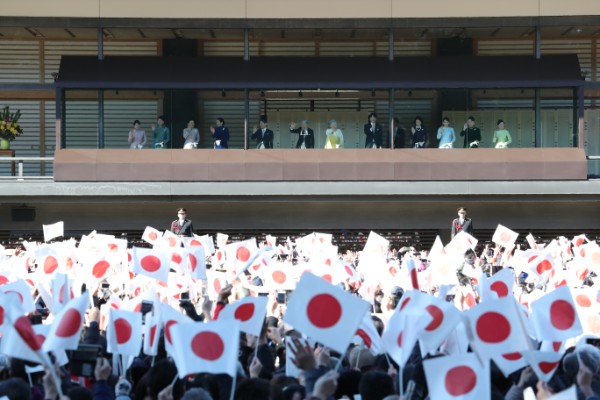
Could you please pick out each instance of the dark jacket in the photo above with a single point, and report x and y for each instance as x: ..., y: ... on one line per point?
x: 187, y: 229
x: 266, y: 139
x: 373, y: 135
x: 308, y: 138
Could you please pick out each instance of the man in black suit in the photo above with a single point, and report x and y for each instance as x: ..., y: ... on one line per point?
x: 263, y: 135
x: 462, y: 223
x: 182, y: 226
x: 306, y: 136
x: 373, y: 132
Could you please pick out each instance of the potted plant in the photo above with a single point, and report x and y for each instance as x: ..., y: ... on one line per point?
x: 9, y: 127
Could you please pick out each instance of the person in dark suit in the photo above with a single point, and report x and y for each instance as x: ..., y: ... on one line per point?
x: 373, y: 131
x: 471, y: 133
x: 306, y: 136
x: 263, y: 135
x: 220, y: 134
x: 462, y: 223
x: 182, y: 226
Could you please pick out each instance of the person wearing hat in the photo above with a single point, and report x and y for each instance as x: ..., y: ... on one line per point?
x: 462, y: 223
x: 182, y: 226
x: 263, y: 135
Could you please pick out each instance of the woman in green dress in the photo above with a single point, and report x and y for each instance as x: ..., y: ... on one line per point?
x: 501, y: 137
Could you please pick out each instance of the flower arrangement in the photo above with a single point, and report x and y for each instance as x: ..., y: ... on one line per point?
x: 9, y: 124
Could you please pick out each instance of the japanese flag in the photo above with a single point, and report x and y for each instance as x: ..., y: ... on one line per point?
x: 592, y: 255
x: 498, y: 286
x: 206, y: 241
x: 554, y: 316
x: 462, y: 242
x: 324, y: 312
x: 171, y: 317
x: 53, y: 231
x: 64, y: 334
x: 124, y: 333
x: 249, y: 311
x: 459, y: 376
x: 543, y: 363
x: 152, y: 329
x: 505, y: 237
x: 495, y: 327
x: 271, y: 241
x: 215, y: 282
x: 579, y: 240
x: 152, y: 235
x: 402, y: 332
x: 18, y: 293
x: 368, y: 335
x: 19, y: 339
x: 410, y: 266
x: 153, y: 263
x: 62, y: 291
x: 539, y: 263
x: 196, y: 263
x: 510, y: 362
x: 444, y: 319
x: 376, y: 244
x: 170, y: 240
x: 222, y: 240
x: 211, y: 347
x: 437, y: 250
x: 47, y: 260
x: 531, y: 241
x: 178, y: 259
x: 240, y: 254
x: 99, y: 267
x: 279, y: 276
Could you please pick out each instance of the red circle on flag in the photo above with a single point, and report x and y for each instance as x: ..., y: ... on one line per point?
x: 393, y: 271
x: 583, y: 301
x: 168, y: 326
x: 23, y: 327
x: 1, y: 315
x: 328, y: 262
x: 3, y: 280
x: 365, y: 338
x: 279, y: 277
x: 150, y: 263
x: 113, y: 247
x: 208, y: 346
x: 41, y: 338
x: 244, y: 312
x: 404, y: 303
x: 50, y: 264
x: 562, y: 314
x: 500, y: 288
x: 545, y: 265
x: 438, y: 317
x: 176, y: 258
x: 505, y: 237
x: 152, y: 236
x: 492, y: 327
x: 556, y: 346
x: 123, y: 329
x: 69, y: 324
x: 324, y: 310
x: 327, y: 278
x: 578, y: 242
x: 172, y: 242
x: 152, y: 334
x: 193, y: 261
x: 547, y: 367
x: 69, y: 263
x: 128, y: 257
x: 138, y: 307
x: 100, y: 268
x: 582, y: 252
x: 399, y: 339
x: 512, y: 356
x: 242, y: 254
x: 19, y: 295
x: 348, y: 270
x: 460, y: 380
x: 219, y: 255
x: 195, y: 243
x: 532, y: 258
x: 217, y: 285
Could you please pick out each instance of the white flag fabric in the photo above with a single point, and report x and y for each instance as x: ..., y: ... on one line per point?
x: 543, y: 363
x: 459, y: 376
x: 152, y: 235
x: 205, y: 241
x: 495, y: 328
x: 66, y: 328
x: 53, y: 231
x: 124, y: 333
x: 62, y: 292
x: 18, y: 293
x: 376, y: 244
x: 19, y: 339
x: 153, y: 263
x: 368, y: 335
x: 211, y: 347
x: 249, y: 311
x: 169, y: 318
x: 554, y: 316
x: 324, y: 312
x: 505, y: 237
x: 169, y: 240
x: 239, y: 254
x: 569, y: 394
x: 498, y: 286
x: 152, y: 330
x: 196, y: 263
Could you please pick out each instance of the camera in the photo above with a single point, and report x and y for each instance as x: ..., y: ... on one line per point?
x: 83, y: 360
x: 281, y: 297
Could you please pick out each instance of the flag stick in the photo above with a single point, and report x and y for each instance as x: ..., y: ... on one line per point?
x: 233, y: 383
x: 401, y: 382
x: 174, y: 380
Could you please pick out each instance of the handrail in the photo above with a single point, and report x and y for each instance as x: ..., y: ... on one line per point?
x: 20, y: 161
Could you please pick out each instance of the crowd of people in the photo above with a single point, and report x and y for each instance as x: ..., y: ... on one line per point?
x: 334, y: 138
x: 281, y: 361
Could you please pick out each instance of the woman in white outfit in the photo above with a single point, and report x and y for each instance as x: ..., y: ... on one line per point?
x: 191, y: 136
x: 335, y: 137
